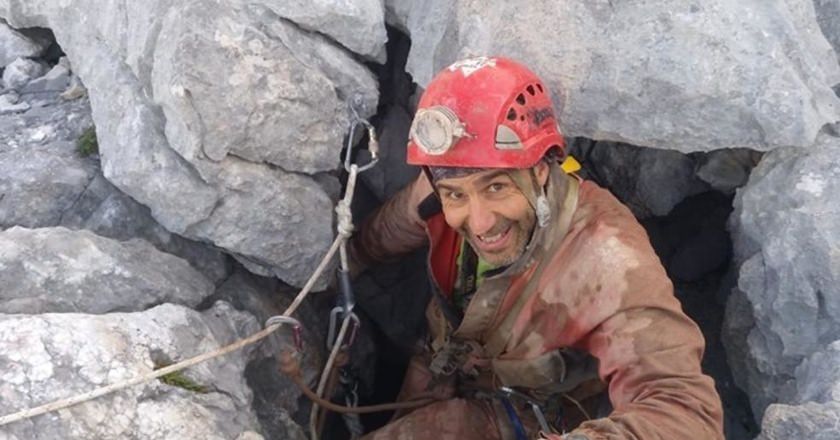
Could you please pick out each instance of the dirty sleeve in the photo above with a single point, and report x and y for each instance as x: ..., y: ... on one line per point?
x: 393, y: 230
x: 648, y: 350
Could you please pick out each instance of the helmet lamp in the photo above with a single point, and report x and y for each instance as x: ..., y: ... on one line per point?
x: 436, y: 129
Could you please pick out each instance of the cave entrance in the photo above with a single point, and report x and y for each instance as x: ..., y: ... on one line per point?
x: 682, y: 200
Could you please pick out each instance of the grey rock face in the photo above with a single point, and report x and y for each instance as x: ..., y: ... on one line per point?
x: 20, y: 71
x: 274, y: 220
x: 14, y: 45
x: 38, y: 186
x: 52, y: 128
x: 221, y: 107
x: 9, y: 104
x: 107, y: 211
x: 811, y: 420
x: 727, y: 170
x: 59, y: 270
x: 357, y: 25
x: 828, y: 16
x: 42, y: 174
x: 45, y: 182
x: 676, y: 74
x: 785, y: 235
x: 275, y: 395
x: 818, y: 377
x: 49, y: 357
x: 269, y: 94
x: 56, y: 80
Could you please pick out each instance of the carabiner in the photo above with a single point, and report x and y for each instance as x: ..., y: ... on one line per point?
x: 373, y: 143
x: 332, y: 333
x: 297, y: 329
x: 536, y: 408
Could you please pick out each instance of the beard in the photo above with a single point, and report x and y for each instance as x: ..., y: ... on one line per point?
x: 520, y: 235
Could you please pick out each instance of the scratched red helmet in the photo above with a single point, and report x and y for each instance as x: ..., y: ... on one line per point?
x: 484, y: 113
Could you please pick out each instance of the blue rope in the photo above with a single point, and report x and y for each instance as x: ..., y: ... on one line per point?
x: 518, y: 428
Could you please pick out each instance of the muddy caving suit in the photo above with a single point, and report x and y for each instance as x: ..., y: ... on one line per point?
x: 587, y: 308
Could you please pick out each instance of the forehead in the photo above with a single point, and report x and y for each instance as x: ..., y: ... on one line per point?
x: 473, y: 179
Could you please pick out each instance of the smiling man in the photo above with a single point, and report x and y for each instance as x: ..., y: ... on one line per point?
x: 490, y: 211
x: 552, y: 318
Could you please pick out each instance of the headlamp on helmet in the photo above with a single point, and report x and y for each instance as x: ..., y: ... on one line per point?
x: 505, y: 107
x: 436, y: 129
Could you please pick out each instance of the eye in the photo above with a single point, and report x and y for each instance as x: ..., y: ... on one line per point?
x: 453, y: 195
x: 496, y: 187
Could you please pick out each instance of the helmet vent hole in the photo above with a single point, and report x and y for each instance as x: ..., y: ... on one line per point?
x: 530, y: 90
x: 522, y: 118
x: 511, y: 115
x: 520, y: 99
x: 539, y: 86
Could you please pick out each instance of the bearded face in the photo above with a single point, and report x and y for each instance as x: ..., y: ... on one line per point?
x: 491, y: 212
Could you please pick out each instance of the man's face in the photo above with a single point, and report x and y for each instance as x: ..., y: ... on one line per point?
x: 491, y: 212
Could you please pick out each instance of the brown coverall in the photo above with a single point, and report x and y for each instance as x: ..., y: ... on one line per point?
x: 589, y: 282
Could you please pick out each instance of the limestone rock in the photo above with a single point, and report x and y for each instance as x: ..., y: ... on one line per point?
x: 207, y: 110
x: 107, y: 211
x: 676, y: 74
x: 54, y: 356
x: 811, y: 420
x: 20, y: 71
x: 59, y: 270
x: 46, y: 182
x: 358, y: 25
x: 275, y: 395
x: 14, y: 45
x: 785, y: 237
x: 828, y: 16
x: 52, y: 128
x: 41, y: 174
x: 818, y: 377
x: 726, y: 170
x: 9, y: 104
x: 56, y: 80
x: 37, y: 187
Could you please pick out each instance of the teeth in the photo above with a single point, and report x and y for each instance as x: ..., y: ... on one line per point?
x: 491, y: 239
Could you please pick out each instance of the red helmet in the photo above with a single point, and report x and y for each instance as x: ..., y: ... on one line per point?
x: 484, y: 113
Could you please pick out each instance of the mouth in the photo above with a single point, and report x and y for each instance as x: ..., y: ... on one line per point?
x: 495, y: 240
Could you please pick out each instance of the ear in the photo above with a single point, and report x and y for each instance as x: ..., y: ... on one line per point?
x: 541, y: 170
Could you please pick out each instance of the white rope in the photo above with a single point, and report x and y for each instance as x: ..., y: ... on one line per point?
x: 322, y: 383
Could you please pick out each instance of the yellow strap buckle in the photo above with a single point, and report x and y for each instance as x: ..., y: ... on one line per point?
x: 570, y: 165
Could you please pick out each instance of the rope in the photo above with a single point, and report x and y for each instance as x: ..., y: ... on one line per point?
x: 322, y: 384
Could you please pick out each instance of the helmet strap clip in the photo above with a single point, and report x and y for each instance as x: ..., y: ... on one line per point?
x: 543, y: 210
x: 541, y: 207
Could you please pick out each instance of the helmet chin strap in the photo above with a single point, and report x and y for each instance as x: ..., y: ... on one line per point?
x: 541, y: 205
x: 535, y: 194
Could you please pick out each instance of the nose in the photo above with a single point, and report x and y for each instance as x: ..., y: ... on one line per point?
x: 480, y: 218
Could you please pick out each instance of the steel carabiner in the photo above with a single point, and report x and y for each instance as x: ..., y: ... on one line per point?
x: 297, y: 328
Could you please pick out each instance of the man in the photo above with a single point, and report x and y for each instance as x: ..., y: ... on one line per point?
x: 548, y: 293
